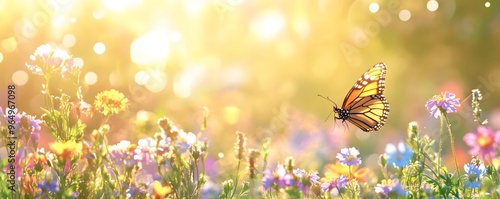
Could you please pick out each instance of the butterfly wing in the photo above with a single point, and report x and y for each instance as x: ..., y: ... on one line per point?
x: 365, y: 103
x: 372, y: 82
x: 369, y: 113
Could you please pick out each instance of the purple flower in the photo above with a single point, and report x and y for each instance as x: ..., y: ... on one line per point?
x: 267, y: 179
x: 474, y: 172
x: 391, y: 186
x: 334, y: 184
x: 278, y: 177
x: 348, y: 156
x: 483, y: 143
x: 305, y: 180
x: 122, y: 154
x: 399, y: 156
x: 444, y: 102
x: 145, y: 150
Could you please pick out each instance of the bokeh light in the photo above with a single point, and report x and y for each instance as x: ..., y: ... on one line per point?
x: 487, y: 4
x: 1, y: 57
x: 432, y: 5
x: 231, y: 114
x: 99, y: 48
x: 268, y: 24
x: 121, y: 5
x: 69, y: 40
x: 20, y: 77
x: 98, y: 13
x: 151, y: 49
x: 373, y: 7
x: 9, y: 44
x: 90, y: 78
x: 404, y: 15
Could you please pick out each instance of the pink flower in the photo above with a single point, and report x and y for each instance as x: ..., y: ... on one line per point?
x: 47, y: 60
x: 483, y: 143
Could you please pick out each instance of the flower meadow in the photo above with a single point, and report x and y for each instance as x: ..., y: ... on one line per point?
x: 173, y: 163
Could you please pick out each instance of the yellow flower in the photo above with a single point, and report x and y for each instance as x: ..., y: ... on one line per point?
x: 111, y: 101
x: 160, y: 191
x: 66, y: 151
x: 334, y: 171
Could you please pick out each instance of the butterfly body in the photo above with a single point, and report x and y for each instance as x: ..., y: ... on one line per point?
x: 365, y: 105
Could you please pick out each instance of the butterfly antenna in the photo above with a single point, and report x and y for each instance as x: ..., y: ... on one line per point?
x: 327, y: 98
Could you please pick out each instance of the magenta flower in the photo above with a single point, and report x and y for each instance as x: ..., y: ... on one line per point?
x: 444, y: 102
x: 483, y: 143
x: 348, y: 156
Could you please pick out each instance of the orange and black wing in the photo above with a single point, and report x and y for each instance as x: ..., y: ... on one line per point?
x: 372, y: 82
x: 369, y: 113
x: 367, y: 107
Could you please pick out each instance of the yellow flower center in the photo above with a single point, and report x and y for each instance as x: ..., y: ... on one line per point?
x: 484, y: 141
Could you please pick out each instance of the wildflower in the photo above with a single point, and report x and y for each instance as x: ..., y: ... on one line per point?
x: 336, y: 170
x: 400, y: 156
x: 160, y: 191
x: 476, y: 110
x: 123, y: 154
x: 444, y: 102
x: 111, y: 101
x: 31, y: 125
x: 348, y: 156
x: 474, y: 173
x: 483, y: 143
x: 388, y: 187
x: 37, y: 160
x: 184, y: 141
x: 339, y: 182
x: 304, y: 180
x: 144, y: 151
x: 279, y: 177
x: 253, y: 154
x: 46, y: 60
x: 72, y: 68
x: 66, y: 151
x: 240, y: 145
x: 49, y: 185
x: 85, y: 108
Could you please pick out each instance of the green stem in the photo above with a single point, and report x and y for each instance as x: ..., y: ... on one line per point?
x: 236, y: 180
x: 452, y: 143
x: 441, y: 123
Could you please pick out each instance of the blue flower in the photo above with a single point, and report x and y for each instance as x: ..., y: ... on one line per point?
x: 348, y: 156
x: 399, y: 156
x: 474, y: 173
x: 444, y: 102
x: 47, y: 185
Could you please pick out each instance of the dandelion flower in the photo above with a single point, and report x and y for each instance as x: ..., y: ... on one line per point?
x: 111, y: 101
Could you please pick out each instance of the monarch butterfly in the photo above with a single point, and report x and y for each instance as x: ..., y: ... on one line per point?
x: 365, y: 105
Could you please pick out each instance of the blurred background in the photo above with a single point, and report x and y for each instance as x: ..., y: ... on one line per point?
x: 258, y: 66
